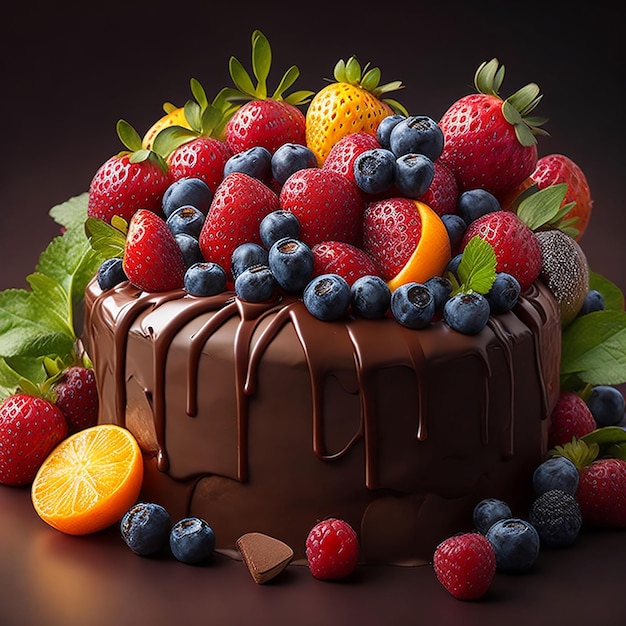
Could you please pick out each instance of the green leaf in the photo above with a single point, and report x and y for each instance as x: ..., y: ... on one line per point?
x: 128, y: 135
x: 612, y: 294
x: 353, y: 71
x: 594, y: 348
x: 477, y: 269
x: 287, y: 81
x: 105, y: 239
x: 198, y: 92
x: 261, y: 62
x: 607, y: 435
x: 542, y: 206
x: 241, y: 78
x: 72, y: 212
x: 170, y: 138
x: 193, y: 115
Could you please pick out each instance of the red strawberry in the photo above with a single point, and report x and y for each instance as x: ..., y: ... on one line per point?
x: 343, y: 154
x: 332, y: 549
x: 443, y: 193
x: 601, y: 493
x: 490, y: 142
x: 77, y: 397
x: 30, y: 427
x: 152, y: 259
x: 557, y: 168
x: 328, y: 206
x: 127, y: 182
x: 516, y: 246
x: 571, y: 417
x: 337, y: 257
x: 202, y: 157
x: 239, y: 205
x: 391, y: 231
x: 465, y: 565
x: 265, y: 120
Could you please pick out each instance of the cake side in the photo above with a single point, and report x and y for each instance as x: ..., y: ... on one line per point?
x: 263, y: 418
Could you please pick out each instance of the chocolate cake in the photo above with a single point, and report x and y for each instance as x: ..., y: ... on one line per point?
x: 261, y: 418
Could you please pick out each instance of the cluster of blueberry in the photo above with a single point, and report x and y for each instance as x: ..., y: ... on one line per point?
x: 147, y: 529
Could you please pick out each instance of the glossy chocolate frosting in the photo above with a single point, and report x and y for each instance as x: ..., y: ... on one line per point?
x: 261, y: 418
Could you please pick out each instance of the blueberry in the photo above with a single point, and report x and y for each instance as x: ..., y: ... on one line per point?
x: 111, y: 273
x: 187, y: 191
x: 255, y: 284
x: 413, y: 305
x: 594, y: 301
x: 504, y: 293
x: 192, y: 540
x: 190, y: 248
x: 413, y: 174
x: 441, y: 288
x: 418, y: 134
x: 453, y: 265
x: 557, y: 518
x: 290, y: 158
x: 278, y: 225
x: 385, y: 127
x: 474, y: 203
x: 145, y: 528
x: 370, y: 297
x: 374, y: 170
x: 205, y: 279
x: 247, y: 255
x: 489, y: 511
x: 516, y: 544
x: 255, y: 162
x: 456, y: 227
x: 327, y: 297
x: 186, y: 219
x: 606, y: 404
x: 291, y: 262
x: 467, y: 313
x: 556, y: 472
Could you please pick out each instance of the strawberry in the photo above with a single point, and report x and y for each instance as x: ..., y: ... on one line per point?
x: 443, y: 193
x: 601, y: 493
x: 77, y: 397
x: 327, y: 204
x: 152, y: 259
x: 239, y: 205
x: 571, y: 417
x: 490, y: 142
x: 391, y: 230
x: 343, y: 154
x: 30, y: 427
x: 351, y: 104
x: 337, y: 257
x: 465, y: 565
x: 130, y: 180
x: 516, y: 246
x: 557, y: 168
x: 332, y: 549
x: 264, y: 120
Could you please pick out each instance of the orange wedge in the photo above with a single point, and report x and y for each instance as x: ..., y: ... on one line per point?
x: 89, y: 480
x: 432, y: 253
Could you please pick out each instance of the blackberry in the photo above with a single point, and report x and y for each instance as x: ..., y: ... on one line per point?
x: 556, y: 517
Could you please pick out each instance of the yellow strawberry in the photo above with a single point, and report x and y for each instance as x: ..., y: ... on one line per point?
x: 351, y: 104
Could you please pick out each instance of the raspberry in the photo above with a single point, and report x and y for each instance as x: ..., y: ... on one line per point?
x: 332, y: 549
x: 465, y: 565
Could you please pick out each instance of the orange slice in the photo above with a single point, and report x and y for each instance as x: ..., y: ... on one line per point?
x: 89, y: 480
x: 432, y: 253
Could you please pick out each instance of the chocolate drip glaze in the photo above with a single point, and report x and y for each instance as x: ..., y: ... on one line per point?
x: 375, y: 405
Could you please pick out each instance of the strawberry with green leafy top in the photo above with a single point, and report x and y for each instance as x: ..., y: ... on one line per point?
x: 490, y: 142
x: 152, y: 259
x: 256, y: 117
x: 133, y: 179
x: 354, y: 102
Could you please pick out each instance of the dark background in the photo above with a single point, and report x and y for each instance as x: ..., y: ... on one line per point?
x: 69, y: 72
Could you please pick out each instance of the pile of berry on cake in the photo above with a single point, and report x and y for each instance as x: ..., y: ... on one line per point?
x: 335, y: 209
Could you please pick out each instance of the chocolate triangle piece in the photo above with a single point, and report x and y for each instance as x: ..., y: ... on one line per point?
x: 264, y: 556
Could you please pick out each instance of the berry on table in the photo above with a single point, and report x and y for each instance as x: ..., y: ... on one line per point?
x: 77, y: 397
x: 465, y: 565
x: 516, y: 544
x: 489, y: 511
x: 556, y: 517
x: 145, y: 528
x: 192, y: 540
x: 556, y: 472
x: 332, y: 549
x: 570, y: 418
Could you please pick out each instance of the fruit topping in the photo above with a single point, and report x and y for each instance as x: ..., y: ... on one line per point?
x: 192, y: 540
x: 332, y: 549
x: 570, y: 418
x: 336, y: 257
x: 145, y: 528
x: 418, y: 134
x: 556, y: 472
x: 187, y: 192
x: 607, y: 405
x: 327, y: 297
x: 291, y: 263
x: 76, y: 394
x: 413, y: 305
x: 205, y: 279
x: 370, y: 297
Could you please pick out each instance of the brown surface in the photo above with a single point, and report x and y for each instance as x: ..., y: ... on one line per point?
x: 50, y: 579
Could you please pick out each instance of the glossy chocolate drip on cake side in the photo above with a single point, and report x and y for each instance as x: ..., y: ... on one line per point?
x: 369, y: 397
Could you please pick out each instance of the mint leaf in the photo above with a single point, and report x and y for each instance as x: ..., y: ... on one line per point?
x: 612, y: 294
x: 72, y: 212
x: 477, y: 269
x: 107, y: 239
x: 541, y: 207
x: 594, y: 349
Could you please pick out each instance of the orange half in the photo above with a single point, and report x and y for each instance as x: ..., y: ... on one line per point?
x: 432, y: 253
x: 89, y: 480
